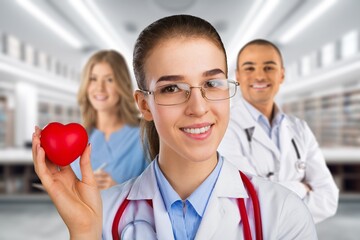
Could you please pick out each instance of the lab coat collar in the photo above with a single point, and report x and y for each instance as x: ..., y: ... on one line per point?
x: 228, y: 185
x: 145, y: 185
x: 246, y: 121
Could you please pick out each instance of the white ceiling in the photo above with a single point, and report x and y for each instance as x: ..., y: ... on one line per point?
x: 128, y: 17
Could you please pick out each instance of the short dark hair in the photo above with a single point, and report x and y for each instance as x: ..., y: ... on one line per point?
x: 262, y: 42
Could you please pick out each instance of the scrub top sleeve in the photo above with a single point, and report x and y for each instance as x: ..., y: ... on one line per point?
x: 75, y: 166
x: 296, y: 221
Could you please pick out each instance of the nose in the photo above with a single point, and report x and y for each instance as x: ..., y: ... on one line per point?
x: 259, y: 75
x: 100, y: 85
x: 197, y: 105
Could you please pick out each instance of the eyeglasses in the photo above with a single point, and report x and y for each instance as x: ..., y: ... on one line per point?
x: 178, y: 93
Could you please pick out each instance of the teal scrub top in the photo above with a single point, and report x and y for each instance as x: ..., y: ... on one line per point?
x: 123, y: 153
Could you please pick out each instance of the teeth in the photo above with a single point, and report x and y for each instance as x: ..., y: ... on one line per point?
x: 260, y: 85
x: 100, y: 97
x: 197, y: 130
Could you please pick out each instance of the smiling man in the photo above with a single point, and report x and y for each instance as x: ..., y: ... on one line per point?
x: 262, y: 140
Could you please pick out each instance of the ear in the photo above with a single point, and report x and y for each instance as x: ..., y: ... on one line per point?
x: 143, y: 105
x: 282, y: 75
x: 237, y: 74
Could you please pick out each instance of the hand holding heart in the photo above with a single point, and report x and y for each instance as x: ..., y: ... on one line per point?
x: 63, y: 144
x: 78, y: 202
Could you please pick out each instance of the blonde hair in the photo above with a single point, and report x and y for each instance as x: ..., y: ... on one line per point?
x: 126, y: 108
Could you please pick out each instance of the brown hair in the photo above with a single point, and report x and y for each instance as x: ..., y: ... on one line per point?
x: 262, y: 42
x: 166, y: 28
x: 126, y: 108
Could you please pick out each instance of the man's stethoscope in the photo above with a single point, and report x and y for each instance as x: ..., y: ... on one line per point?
x: 300, y: 165
x: 130, y: 232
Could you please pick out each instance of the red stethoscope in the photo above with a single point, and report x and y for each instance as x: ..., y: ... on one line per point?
x: 241, y: 204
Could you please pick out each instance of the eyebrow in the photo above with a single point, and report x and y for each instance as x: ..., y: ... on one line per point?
x: 106, y: 75
x: 213, y: 72
x: 209, y: 73
x: 170, y: 78
x: 252, y: 63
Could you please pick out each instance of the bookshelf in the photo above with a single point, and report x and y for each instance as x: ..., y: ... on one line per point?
x: 334, y: 119
x: 53, y: 86
x: 17, y: 173
x: 16, y: 166
x: 3, y: 117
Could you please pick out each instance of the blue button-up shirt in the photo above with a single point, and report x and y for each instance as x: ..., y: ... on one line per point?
x: 273, y: 129
x: 185, y: 215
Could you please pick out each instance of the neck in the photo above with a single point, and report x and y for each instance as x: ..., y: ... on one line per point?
x: 186, y: 175
x: 266, y: 109
x: 108, y: 123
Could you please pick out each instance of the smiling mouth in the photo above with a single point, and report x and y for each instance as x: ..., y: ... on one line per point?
x: 197, y: 130
x: 260, y: 86
x: 100, y: 98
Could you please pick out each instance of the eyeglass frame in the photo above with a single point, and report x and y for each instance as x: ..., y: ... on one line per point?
x: 203, y: 92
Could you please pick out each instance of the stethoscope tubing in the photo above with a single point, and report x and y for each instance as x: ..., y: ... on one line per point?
x: 242, y: 209
x: 249, y: 139
x: 299, y: 162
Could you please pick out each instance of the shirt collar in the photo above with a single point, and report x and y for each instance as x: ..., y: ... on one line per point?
x: 278, y: 116
x: 259, y: 117
x: 196, y: 199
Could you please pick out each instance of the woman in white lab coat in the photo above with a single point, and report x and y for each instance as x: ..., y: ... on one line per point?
x: 188, y: 191
x: 294, y: 158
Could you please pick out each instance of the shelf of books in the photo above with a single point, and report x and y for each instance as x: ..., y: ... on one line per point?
x: 17, y: 175
x: 335, y: 121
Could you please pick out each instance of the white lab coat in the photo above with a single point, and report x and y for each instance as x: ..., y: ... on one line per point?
x: 261, y: 156
x: 284, y: 215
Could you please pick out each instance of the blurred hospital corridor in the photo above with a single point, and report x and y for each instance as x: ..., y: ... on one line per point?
x: 44, y: 45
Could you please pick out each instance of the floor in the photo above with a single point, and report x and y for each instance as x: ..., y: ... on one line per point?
x: 38, y: 220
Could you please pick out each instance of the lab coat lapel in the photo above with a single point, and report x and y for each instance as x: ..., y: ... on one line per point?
x: 228, y: 186
x: 286, y: 135
x: 211, y: 219
x: 261, y: 138
x: 162, y: 220
x: 258, y: 135
x: 145, y: 187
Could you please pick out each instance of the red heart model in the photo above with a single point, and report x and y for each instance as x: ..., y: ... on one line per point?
x: 63, y: 144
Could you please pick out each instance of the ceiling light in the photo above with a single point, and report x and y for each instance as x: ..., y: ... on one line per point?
x: 50, y: 23
x: 96, y: 20
x: 306, y: 20
x: 257, y: 15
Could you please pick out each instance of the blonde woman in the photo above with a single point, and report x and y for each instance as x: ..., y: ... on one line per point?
x: 111, y: 118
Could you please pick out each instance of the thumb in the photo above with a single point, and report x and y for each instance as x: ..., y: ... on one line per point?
x: 85, y: 166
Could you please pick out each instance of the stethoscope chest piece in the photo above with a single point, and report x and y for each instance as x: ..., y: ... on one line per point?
x: 300, y: 165
x: 139, y: 229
